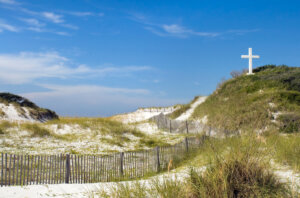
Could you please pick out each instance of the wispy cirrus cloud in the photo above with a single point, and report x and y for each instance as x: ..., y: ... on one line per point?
x: 26, y: 67
x: 174, y: 30
x: 33, y: 22
x: 83, y: 14
x: 243, y: 31
x: 7, y: 27
x: 179, y: 31
x: 10, y: 2
x: 55, y: 18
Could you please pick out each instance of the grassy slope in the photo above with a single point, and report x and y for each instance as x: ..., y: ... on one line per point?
x: 249, y: 102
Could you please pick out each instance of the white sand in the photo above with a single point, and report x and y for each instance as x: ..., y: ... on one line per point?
x: 11, y: 114
x: 79, y: 190
x: 186, y: 115
x: 286, y: 175
x: 142, y: 115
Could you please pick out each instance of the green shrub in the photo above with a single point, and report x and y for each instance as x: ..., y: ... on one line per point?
x: 290, y: 123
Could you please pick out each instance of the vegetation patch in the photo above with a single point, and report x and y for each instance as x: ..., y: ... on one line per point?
x: 236, y: 178
x: 235, y: 167
x: 249, y: 102
x: 285, y: 149
x: 36, y: 130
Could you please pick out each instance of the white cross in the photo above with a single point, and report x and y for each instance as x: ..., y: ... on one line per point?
x: 250, y: 56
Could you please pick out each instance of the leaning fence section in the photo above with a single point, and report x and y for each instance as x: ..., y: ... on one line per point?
x: 69, y: 168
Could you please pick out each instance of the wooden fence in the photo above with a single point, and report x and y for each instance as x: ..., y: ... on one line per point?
x: 69, y: 168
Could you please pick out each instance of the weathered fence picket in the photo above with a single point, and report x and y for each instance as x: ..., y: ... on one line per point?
x: 69, y: 168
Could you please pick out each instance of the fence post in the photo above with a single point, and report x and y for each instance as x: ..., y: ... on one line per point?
x: 67, y: 168
x: 2, y: 169
x: 186, y: 144
x: 121, y: 163
x: 187, y: 127
x: 170, y: 126
x: 158, y: 162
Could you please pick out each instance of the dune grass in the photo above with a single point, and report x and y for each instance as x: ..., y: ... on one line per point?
x: 286, y: 149
x: 248, y: 102
x: 77, y: 135
x: 235, y: 167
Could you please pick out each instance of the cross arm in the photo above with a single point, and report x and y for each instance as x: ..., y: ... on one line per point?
x: 244, y: 56
x: 255, y: 56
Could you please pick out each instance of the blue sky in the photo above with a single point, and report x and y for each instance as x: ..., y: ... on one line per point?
x: 98, y: 58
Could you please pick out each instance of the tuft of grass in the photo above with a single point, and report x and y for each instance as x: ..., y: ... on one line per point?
x: 167, y: 188
x: 236, y: 178
x: 124, y: 190
x: 4, y: 125
x: 36, y: 130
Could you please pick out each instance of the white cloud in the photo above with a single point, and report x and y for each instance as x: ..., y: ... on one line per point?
x: 27, y: 67
x: 33, y: 22
x: 165, y: 30
x: 37, y: 29
x: 176, y: 30
x: 180, y: 31
x: 243, y: 31
x: 62, y: 33
x: 7, y: 27
x: 81, y: 14
x: 84, y: 14
x: 55, y: 18
x: 11, y: 2
x: 70, y: 26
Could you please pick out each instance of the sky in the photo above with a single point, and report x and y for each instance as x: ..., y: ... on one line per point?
x: 103, y: 57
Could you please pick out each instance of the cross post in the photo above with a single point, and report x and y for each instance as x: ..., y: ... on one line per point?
x: 250, y: 57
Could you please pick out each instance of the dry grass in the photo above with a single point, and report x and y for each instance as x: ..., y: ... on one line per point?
x: 236, y: 167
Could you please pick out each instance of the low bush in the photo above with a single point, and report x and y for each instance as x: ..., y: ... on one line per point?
x: 290, y: 123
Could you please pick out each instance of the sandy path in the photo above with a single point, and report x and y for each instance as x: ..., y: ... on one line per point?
x: 77, y: 190
x: 286, y: 175
x: 90, y: 190
x: 190, y: 111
